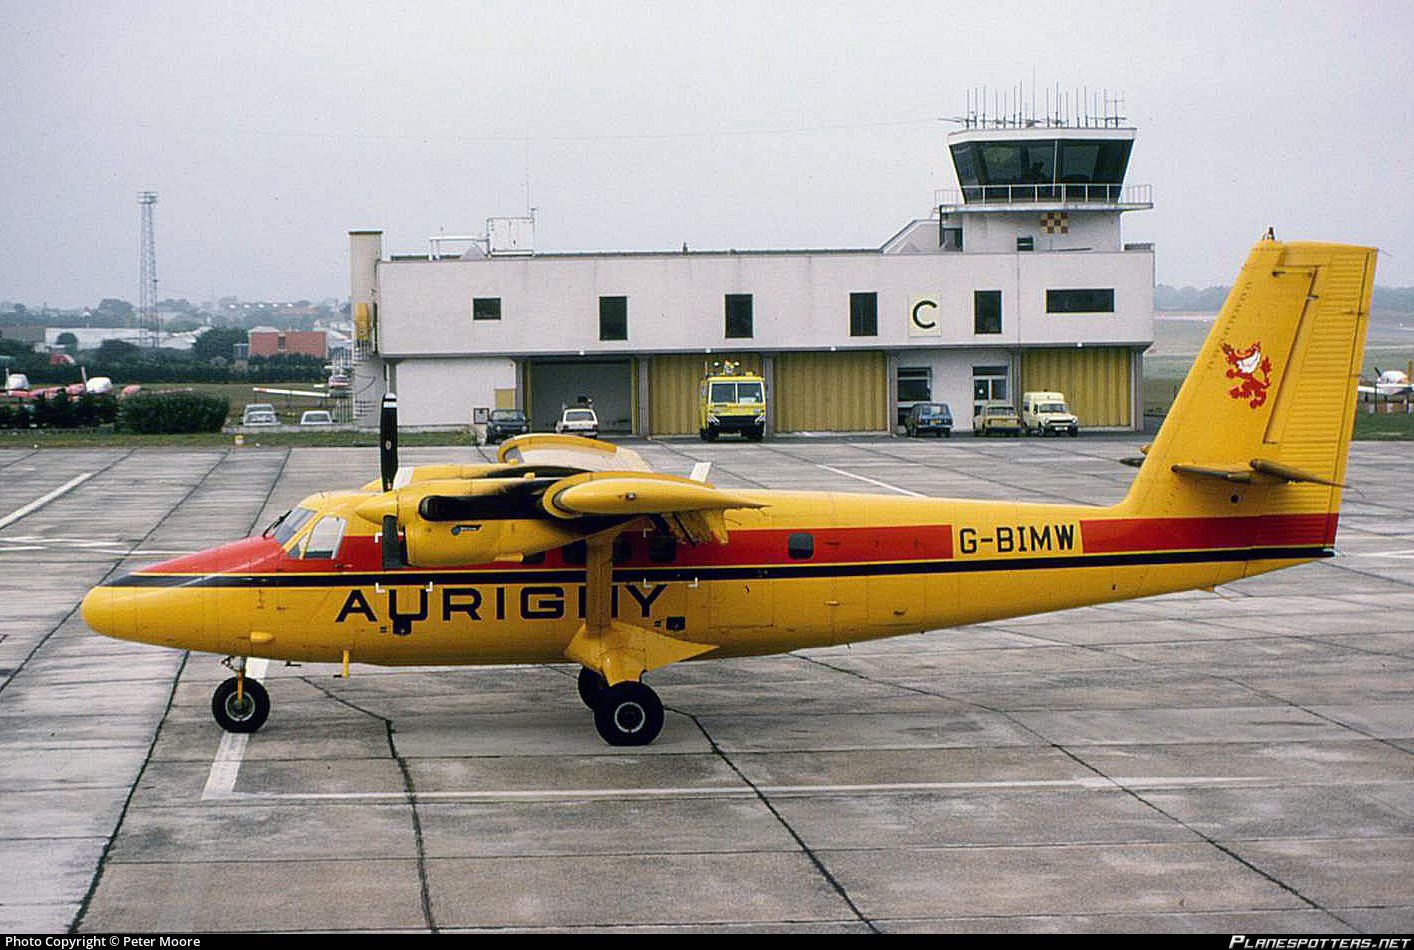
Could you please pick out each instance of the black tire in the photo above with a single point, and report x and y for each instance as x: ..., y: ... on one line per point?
x: 592, y: 686
x: 629, y: 714
x: 711, y: 435
x: 1074, y: 433
x: 248, y: 714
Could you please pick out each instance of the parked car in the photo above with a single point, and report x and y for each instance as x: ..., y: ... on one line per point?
x: 996, y: 417
x: 505, y: 423
x: 578, y: 420
x: 316, y: 417
x: 260, y: 418
x: 928, y: 417
x: 259, y: 414
x: 1045, y: 413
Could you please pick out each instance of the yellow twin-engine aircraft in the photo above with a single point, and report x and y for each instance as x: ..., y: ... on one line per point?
x: 572, y: 550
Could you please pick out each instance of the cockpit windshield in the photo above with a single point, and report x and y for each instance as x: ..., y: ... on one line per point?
x: 287, y: 525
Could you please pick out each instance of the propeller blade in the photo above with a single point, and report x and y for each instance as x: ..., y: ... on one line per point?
x: 392, y: 550
x: 388, y: 440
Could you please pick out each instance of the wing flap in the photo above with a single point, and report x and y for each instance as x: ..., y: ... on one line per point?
x: 571, y: 451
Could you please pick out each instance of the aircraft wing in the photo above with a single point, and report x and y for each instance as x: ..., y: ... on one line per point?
x: 546, y: 492
x: 570, y: 451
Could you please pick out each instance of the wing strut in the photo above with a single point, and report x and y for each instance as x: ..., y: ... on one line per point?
x: 618, y: 650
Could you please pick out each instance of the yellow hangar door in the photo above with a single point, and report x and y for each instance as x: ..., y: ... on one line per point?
x: 674, y: 381
x: 1096, y: 380
x: 831, y: 392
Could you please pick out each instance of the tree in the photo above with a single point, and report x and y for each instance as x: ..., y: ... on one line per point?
x: 218, y: 341
x: 67, y: 340
x: 116, y: 351
x: 116, y: 309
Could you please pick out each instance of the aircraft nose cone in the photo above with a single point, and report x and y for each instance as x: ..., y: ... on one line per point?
x: 100, y: 611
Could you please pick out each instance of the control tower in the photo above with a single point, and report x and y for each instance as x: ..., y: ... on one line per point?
x: 1049, y: 183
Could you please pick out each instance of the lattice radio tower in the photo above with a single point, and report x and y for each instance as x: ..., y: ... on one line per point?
x: 147, y: 286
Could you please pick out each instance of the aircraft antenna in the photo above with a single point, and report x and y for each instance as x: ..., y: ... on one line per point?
x: 147, y: 269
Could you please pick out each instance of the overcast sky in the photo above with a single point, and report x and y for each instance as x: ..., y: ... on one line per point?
x: 271, y: 129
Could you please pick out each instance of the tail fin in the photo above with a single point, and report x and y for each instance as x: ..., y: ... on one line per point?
x: 1261, y: 427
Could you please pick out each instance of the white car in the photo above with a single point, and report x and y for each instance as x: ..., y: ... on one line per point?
x: 578, y: 420
x: 316, y: 417
x: 259, y: 418
x: 255, y: 415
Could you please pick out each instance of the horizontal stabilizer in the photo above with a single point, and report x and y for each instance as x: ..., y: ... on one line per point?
x: 1257, y: 471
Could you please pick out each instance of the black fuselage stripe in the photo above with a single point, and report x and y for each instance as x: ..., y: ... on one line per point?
x: 629, y: 575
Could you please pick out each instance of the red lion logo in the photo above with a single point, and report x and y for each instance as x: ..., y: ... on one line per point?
x: 1246, y: 366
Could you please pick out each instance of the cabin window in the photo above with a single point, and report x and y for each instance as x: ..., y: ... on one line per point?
x: 662, y: 548
x: 800, y: 546
x: 623, y: 549
x: 576, y: 554
x: 324, y: 538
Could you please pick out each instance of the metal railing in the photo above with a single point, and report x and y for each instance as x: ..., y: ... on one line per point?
x: 1053, y: 193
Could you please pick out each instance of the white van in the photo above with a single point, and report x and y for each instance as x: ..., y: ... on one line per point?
x: 1046, y: 414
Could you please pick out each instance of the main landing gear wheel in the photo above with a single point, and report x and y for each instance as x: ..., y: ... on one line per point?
x: 244, y: 713
x: 629, y: 713
x: 592, y: 687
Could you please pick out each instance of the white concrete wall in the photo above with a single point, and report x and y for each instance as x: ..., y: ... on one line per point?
x: 444, y: 391
x: 550, y: 305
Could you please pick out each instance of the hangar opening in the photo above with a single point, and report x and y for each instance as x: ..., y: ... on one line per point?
x: 551, y: 385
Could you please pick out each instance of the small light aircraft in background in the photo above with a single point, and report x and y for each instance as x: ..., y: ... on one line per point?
x: 1391, y: 382
x: 572, y: 550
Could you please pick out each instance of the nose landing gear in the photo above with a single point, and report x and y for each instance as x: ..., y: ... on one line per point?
x: 240, y: 704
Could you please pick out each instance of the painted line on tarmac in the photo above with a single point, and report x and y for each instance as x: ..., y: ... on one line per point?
x: 39, y: 503
x: 872, y: 481
x: 777, y: 791
x: 221, y: 780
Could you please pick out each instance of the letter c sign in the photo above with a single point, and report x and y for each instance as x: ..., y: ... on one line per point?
x: 923, y: 318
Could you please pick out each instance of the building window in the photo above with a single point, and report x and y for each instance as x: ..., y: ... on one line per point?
x: 864, y: 314
x: 613, y: 318
x: 486, y: 308
x: 738, y: 317
x: 1080, y: 301
x: 987, y: 311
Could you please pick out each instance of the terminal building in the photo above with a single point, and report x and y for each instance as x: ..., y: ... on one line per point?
x: 1018, y: 280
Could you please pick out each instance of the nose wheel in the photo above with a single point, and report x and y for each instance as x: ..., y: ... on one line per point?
x: 240, y: 704
x: 627, y: 713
